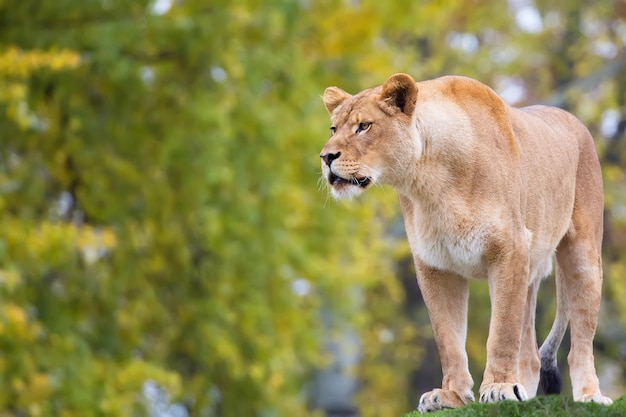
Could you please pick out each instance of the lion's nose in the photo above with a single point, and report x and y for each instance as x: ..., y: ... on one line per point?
x: 330, y: 157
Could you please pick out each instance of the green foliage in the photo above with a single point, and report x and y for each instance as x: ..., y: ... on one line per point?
x: 548, y: 406
x: 159, y: 204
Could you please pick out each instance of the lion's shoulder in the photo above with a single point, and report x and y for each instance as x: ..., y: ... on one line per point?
x: 465, y: 92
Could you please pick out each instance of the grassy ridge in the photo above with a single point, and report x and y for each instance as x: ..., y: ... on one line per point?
x: 552, y: 406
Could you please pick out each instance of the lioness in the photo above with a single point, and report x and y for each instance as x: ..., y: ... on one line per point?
x: 490, y: 192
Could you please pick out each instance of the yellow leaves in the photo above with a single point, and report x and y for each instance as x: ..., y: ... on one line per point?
x: 256, y: 371
x: 348, y: 29
x: 32, y: 391
x: 39, y: 386
x: 56, y: 244
x: 15, y: 315
x: 12, y: 91
x: 15, y: 323
x: 131, y: 378
x: 16, y: 66
x: 94, y: 243
x: 18, y: 63
x: 276, y: 380
x: 61, y: 241
x: 49, y: 237
x: 10, y: 279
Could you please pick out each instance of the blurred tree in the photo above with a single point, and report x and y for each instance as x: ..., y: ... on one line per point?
x: 161, y: 218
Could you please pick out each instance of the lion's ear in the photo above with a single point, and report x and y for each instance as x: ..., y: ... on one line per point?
x: 400, y: 91
x: 333, y: 97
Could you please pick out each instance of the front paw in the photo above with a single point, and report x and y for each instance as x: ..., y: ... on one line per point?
x: 492, y: 393
x: 596, y: 398
x: 438, y: 399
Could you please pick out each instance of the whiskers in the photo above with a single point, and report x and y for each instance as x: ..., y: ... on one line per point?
x: 377, y: 176
x: 322, y: 184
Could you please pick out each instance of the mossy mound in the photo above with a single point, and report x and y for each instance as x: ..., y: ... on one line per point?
x: 552, y: 406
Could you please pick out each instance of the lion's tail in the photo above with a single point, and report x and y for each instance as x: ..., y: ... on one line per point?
x: 550, y: 377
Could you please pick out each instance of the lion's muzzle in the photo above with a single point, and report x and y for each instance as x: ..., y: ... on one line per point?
x: 328, y: 158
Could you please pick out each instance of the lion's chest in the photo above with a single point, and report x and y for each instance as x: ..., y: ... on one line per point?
x: 448, y: 247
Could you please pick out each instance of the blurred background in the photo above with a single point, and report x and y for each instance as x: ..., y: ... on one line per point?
x: 166, y: 245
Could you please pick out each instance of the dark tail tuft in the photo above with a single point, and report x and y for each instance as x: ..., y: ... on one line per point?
x: 550, y: 380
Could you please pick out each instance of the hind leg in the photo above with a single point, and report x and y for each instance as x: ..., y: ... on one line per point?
x: 580, y: 261
x: 578, y: 256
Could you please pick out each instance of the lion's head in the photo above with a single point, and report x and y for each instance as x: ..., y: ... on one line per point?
x: 372, y: 136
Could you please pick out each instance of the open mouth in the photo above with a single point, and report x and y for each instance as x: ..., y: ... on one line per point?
x: 337, y: 180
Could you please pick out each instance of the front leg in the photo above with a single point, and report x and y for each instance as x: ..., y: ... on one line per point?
x: 446, y: 295
x: 508, y: 288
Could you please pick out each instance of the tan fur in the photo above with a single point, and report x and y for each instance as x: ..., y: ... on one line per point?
x: 487, y: 192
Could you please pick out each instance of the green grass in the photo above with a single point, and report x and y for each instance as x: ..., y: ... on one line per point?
x: 552, y: 406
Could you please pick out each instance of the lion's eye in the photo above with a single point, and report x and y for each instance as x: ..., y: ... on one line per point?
x: 363, y: 126
x: 333, y: 129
